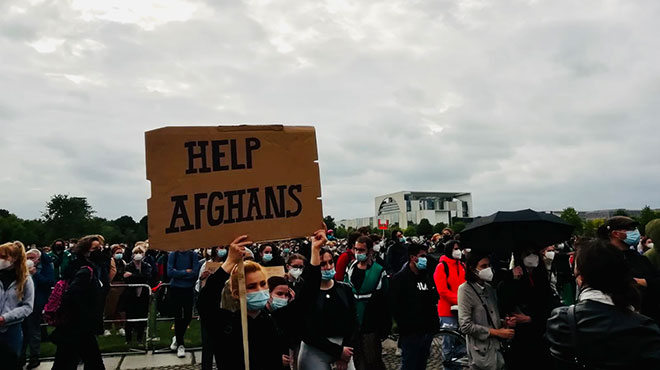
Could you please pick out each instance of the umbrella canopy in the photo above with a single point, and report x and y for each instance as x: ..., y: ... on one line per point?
x: 505, y: 231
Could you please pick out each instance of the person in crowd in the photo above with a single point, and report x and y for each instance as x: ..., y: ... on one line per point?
x: 548, y: 254
x: 113, y: 311
x: 137, y: 298
x: 529, y: 298
x: 602, y: 331
x: 379, y: 254
x: 413, y: 298
x: 280, y: 308
x: 43, y: 278
x: 347, y: 257
x: 295, y: 265
x: 447, y: 235
x: 331, y: 236
x: 397, y: 255
x: 16, y: 300
x: 183, y: 269
x: 286, y: 250
x: 562, y: 269
x: 330, y: 325
x: 267, y: 347
x: 269, y: 255
x: 448, y: 276
x: 644, y: 245
x: 60, y: 257
x: 652, y: 230
x: 215, y: 254
x: 622, y: 232
x: 76, y: 336
x: 369, y: 283
x: 479, y: 317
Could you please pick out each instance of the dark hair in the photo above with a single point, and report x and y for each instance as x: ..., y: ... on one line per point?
x: 52, y: 246
x: 414, y: 248
x: 352, y: 238
x: 327, y: 251
x: 449, y: 247
x: 364, y: 230
x: 84, y: 245
x: 603, y: 267
x: 375, y: 238
x: 296, y: 256
x: 366, y: 240
x: 272, y: 246
x: 275, y: 281
x: 471, y: 263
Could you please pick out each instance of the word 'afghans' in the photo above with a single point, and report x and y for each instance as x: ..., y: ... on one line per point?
x: 232, y: 206
x: 198, y: 153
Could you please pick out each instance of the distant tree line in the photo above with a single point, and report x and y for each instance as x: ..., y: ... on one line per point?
x: 590, y: 227
x: 67, y: 218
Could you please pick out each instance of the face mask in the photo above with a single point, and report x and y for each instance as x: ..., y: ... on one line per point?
x: 222, y: 253
x: 30, y: 264
x: 4, y: 264
x: 278, y: 303
x: 58, y: 247
x: 446, y: 238
x: 138, y: 257
x: 209, y: 252
x: 328, y: 274
x: 287, y: 250
x: 295, y: 273
x: 421, y: 263
x: 467, y: 250
x: 361, y: 257
x: 650, y: 245
x: 257, y: 300
x: 97, y: 256
x: 119, y: 256
x: 632, y: 237
x: 377, y: 248
x: 560, y: 246
x: 531, y: 261
x: 402, y: 239
x: 549, y: 256
x: 456, y: 254
x: 267, y: 257
x: 486, y: 274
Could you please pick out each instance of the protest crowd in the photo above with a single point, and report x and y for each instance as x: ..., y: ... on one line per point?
x: 581, y: 303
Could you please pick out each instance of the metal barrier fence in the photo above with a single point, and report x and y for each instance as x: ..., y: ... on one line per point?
x: 150, y: 336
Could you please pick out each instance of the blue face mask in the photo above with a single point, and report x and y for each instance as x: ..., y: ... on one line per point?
x: 632, y: 237
x: 328, y: 274
x: 267, y: 257
x: 402, y: 239
x: 278, y: 303
x: 287, y: 250
x: 257, y: 300
x: 361, y: 257
x: 119, y: 256
x: 421, y: 263
x: 222, y: 253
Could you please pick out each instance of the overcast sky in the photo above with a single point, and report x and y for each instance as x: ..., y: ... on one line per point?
x: 541, y: 104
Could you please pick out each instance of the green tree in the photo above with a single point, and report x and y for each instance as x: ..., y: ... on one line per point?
x: 437, y: 228
x: 340, y: 232
x: 424, y: 227
x: 67, y: 217
x: 571, y: 216
x: 458, y: 226
x: 621, y: 212
x: 591, y: 227
x: 410, y: 230
x: 645, y: 217
x: 143, y: 228
x: 330, y: 222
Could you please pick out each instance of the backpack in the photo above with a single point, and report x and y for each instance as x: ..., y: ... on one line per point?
x: 52, y: 313
x: 447, y: 271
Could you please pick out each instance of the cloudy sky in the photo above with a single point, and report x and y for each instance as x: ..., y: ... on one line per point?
x: 541, y: 104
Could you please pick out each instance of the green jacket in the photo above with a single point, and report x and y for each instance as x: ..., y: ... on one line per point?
x: 60, y: 263
x: 653, y: 255
x: 371, y: 299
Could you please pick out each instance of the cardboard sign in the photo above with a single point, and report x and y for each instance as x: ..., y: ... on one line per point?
x: 211, y: 267
x: 212, y: 184
x: 273, y: 271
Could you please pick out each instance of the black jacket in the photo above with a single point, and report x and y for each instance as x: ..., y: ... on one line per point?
x: 397, y: 256
x: 266, y: 346
x: 413, y: 301
x: 641, y: 268
x: 607, y: 338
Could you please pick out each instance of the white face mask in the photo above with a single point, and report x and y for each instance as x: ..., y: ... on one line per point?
x: 5, y: 264
x: 138, y: 257
x: 531, y: 261
x: 295, y: 273
x: 209, y: 252
x: 30, y: 264
x: 376, y: 248
x: 549, y: 256
x: 456, y: 254
x: 467, y: 250
x: 650, y: 245
x: 486, y: 274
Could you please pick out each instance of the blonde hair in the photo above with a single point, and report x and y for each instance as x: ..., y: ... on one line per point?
x: 249, y: 267
x: 138, y: 248
x: 16, y: 250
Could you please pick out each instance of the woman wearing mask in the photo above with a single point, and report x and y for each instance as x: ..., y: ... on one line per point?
x: 136, y: 298
x: 16, y: 300
x: 285, y: 313
x: 529, y: 298
x: 112, y: 304
x: 76, y: 337
x: 295, y: 266
x: 478, y: 315
x: 602, y: 331
x: 448, y: 276
x: 267, y: 349
x: 331, y: 325
x: 270, y: 255
x: 215, y: 254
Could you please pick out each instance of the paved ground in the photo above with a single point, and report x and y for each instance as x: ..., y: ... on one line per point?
x: 168, y: 361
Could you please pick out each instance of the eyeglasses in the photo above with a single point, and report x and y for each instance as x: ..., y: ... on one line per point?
x: 297, y: 266
x: 359, y: 249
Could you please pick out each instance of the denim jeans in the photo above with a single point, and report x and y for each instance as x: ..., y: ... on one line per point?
x: 451, y: 349
x: 13, y: 338
x: 415, y: 349
x: 32, y: 335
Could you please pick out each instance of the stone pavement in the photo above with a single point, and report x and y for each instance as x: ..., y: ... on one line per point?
x: 168, y: 361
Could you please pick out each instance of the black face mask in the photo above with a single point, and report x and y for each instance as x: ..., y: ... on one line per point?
x: 98, y: 257
x: 58, y: 247
x: 446, y: 238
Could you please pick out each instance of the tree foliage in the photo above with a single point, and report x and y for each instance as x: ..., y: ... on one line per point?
x: 410, y: 230
x: 571, y: 216
x: 424, y: 227
x: 437, y: 228
x: 330, y: 222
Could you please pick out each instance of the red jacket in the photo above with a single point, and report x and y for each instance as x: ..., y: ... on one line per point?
x: 342, y: 263
x: 448, y: 295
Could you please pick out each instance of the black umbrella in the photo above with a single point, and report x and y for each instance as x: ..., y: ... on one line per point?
x: 506, y: 231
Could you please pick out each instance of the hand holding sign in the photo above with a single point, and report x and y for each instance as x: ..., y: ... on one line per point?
x: 236, y: 252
